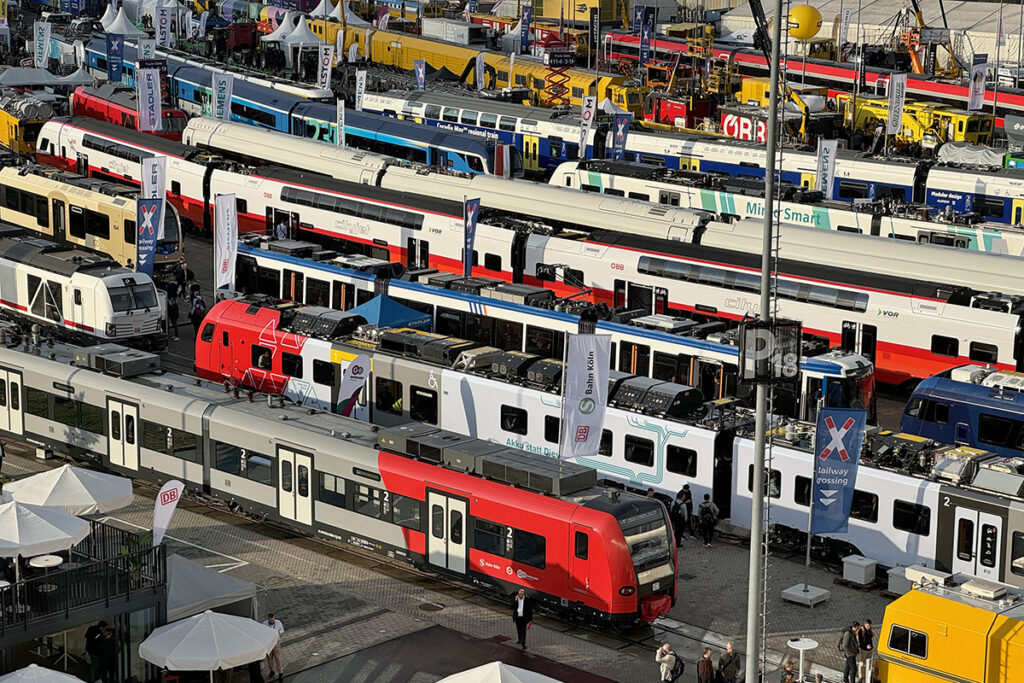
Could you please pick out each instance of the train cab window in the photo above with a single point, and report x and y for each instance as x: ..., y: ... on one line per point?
x: 639, y: 451
x: 605, y: 447
x: 864, y: 506
x: 529, y: 549
x: 514, y: 420
x: 552, y: 425
x: 492, y: 262
x: 176, y: 187
x: 507, y: 123
x: 984, y: 353
x: 489, y: 537
x: 945, y: 346
x: 772, y: 483
x: 291, y: 365
x: 908, y: 641
x: 582, y: 545
x: 323, y: 372
x: 681, y: 460
x: 405, y: 512
x: 802, y: 491
x: 225, y: 338
x: 451, y: 114
x: 423, y: 405
x: 367, y: 501
x: 261, y: 357
x: 331, y: 490
x: 1017, y: 553
x: 388, y: 395
x: 207, y: 335
x: 911, y: 517
x: 489, y: 120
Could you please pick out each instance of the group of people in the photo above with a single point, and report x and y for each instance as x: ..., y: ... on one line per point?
x: 858, y: 647
x: 727, y: 669
x: 684, y: 522
x: 184, y: 288
x: 101, y: 646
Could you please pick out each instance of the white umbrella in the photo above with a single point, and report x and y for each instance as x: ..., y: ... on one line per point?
x: 207, y: 642
x: 498, y: 672
x: 38, y: 674
x: 74, y: 489
x: 29, y: 530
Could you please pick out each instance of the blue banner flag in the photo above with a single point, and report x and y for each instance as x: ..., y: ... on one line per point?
x: 420, y: 67
x: 837, y: 443
x: 115, y: 57
x: 619, y: 132
x: 469, y: 214
x: 645, y: 43
x: 638, y: 16
x: 472, y: 5
x: 149, y: 218
x: 524, y: 28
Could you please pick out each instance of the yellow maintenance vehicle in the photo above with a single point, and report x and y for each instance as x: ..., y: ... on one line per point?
x: 927, y: 123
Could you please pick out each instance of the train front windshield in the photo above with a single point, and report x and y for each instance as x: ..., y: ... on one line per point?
x: 856, y: 390
x: 172, y: 235
x: 133, y: 296
x: 648, y: 538
x: 173, y: 122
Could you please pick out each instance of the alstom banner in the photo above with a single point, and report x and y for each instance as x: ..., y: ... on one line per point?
x: 586, y: 394
x: 150, y: 216
x: 326, y: 60
x: 837, y: 444
x: 151, y: 111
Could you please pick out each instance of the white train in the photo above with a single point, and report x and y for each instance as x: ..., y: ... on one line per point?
x: 79, y: 295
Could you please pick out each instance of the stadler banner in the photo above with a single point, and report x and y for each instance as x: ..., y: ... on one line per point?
x: 223, y: 85
x: 897, y: 98
x: 586, y: 394
x: 976, y: 98
x: 147, y: 86
x: 587, y: 114
x: 225, y: 240
x: 826, y: 174
x: 837, y: 443
x: 154, y: 174
x: 40, y: 44
x: 115, y: 56
x: 150, y: 215
x: 323, y: 73
x: 470, y: 211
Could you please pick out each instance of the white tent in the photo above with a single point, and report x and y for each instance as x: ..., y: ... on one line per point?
x: 322, y: 10
x: 121, y: 25
x: 498, y: 672
x: 29, y: 530
x: 38, y: 674
x: 108, y: 15
x: 302, y: 35
x: 193, y: 588
x: 79, y: 77
x: 351, y: 18
x: 75, y: 489
x: 207, y: 642
x: 286, y: 26
x: 27, y: 77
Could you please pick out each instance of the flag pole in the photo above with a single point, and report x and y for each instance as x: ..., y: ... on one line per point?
x: 561, y: 412
x: 810, y: 515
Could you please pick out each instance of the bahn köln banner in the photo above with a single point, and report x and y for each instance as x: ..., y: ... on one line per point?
x: 586, y: 394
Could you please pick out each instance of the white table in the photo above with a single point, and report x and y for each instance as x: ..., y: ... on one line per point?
x: 45, y: 562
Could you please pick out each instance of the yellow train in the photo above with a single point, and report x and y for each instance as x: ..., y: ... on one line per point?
x: 400, y: 50
x: 83, y: 212
x: 967, y: 632
x: 942, y: 123
x: 21, y: 119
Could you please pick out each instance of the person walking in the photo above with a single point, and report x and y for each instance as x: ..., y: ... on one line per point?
x: 106, y: 653
x: 866, y: 654
x: 729, y: 664
x: 197, y: 313
x: 522, y: 614
x: 172, y: 317
x: 705, y: 669
x: 849, y: 647
x: 274, y: 656
x: 688, y: 507
x: 707, y: 514
x: 92, y: 638
x: 676, y: 512
x: 668, y: 659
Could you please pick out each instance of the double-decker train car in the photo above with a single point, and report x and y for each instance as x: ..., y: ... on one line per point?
x: 117, y: 104
x: 405, y: 493
x: 83, y: 212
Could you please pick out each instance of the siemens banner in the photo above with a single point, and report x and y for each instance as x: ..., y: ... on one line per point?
x: 826, y: 173
x: 150, y: 216
x: 223, y: 84
x: 837, y: 443
x: 40, y: 44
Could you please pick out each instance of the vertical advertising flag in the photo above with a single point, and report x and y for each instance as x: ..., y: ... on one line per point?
x: 147, y: 48
x: 353, y: 379
x: 203, y: 18
x: 115, y: 55
x: 844, y: 27
x: 645, y: 43
x: 524, y: 27
x: 837, y: 443
x: 595, y: 32
x: 147, y: 87
x: 339, y: 48
x: 512, y: 69
x: 360, y: 88
x: 163, y: 24
x: 223, y: 85
x: 420, y: 67
x: 472, y: 5
x: 3, y: 14
x: 367, y: 44
x: 154, y: 185
x: 150, y: 216
x: 587, y: 114
x: 383, y: 16
x: 979, y: 66
x: 619, y: 132
x: 353, y: 51
x: 469, y: 215
x: 638, y: 16
x: 897, y: 98
x: 480, y: 72
x: 827, y: 150
x: 339, y: 122
x: 166, y: 502
x: 1001, y: 35
x: 225, y: 241
x: 41, y: 44
x: 138, y: 13
x: 586, y: 394
x: 323, y: 72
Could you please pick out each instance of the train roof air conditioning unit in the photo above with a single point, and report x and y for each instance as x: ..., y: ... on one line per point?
x: 546, y: 374
x: 920, y: 575
x: 332, y: 324
x: 987, y: 590
x: 1008, y: 381
x: 513, y: 365
x: 972, y: 374
x: 117, y: 360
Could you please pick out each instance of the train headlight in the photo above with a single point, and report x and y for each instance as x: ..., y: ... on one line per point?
x: 111, y: 329
x: 627, y: 591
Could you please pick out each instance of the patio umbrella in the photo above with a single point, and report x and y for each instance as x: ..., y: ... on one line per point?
x: 207, y: 642
x: 498, y: 672
x: 38, y: 674
x: 75, y: 489
x: 29, y: 530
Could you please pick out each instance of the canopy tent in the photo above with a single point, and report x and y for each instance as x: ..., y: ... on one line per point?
x: 207, y: 642
x: 286, y: 26
x: 498, y: 672
x: 27, y: 77
x: 34, y: 673
x: 322, y: 10
x: 383, y: 311
x: 108, y: 15
x: 77, y: 490
x: 79, y: 77
x: 121, y: 25
x: 351, y: 18
x: 302, y: 35
x: 193, y: 588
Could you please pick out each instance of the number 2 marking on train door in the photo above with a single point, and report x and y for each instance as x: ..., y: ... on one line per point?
x: 945, y: 501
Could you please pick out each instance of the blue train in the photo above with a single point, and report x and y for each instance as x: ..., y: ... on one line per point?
x: 971, y: 405
x: 301, y: 111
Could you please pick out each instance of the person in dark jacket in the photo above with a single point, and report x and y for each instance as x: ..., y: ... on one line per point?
x: 172, y: 317
x: 866, y: 643
x: 705, y: 669
x: 676, y: 513
x: 707, y: 516
x: 522, y: 614
x: 788, y: 673
x: 92, y: 637
x: 106, y: 651
x: 729, y: 664
x: 849, y: 647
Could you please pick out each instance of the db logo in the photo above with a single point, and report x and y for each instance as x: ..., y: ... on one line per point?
x: 168, y: 497
x: 223, y: 267
x: 582, y: 433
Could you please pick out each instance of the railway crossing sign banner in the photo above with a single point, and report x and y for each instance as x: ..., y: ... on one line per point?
x: 976, y: 96
x: 587, y: 114
x: 150, y: 216
x: 897, y: 98
x: 223, y: 85
x: 620, y: 130
x: 420, y: 67
x: 585, y: 394
x: 147, y: 85
x: 837, y: 445
x: 524, y: 28
x: 41, y: 44
x: 470, y: 212
x: 323, y: 73
x: 638, y: 15
x: 166, y: 502
x: 154, y: 174
x: 115, y: 56
x: 225, y: 239
x: 645, y: 43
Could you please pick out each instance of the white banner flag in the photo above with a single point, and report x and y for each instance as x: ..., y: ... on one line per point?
x: 223, y: 84
x: 163, y: 24
x: 586, y: 394
x: 339, y: 49
x: 480, y: 71
x: 41, y: 44
x: 844, y: 27
x: 339, y: 121
x: 367, y: 45
x: 166, y: 502
x: 203, y: 18
x: 326, y: 61
x: 360, y: 88
x: 827, y: 150
x: 976, y: 94
x: 151, y: 111
x: 586, y: 121
x: 154, y: 185
x: 225, y: 240
x: 352, y: 381
x: 147, y: 48
x: 512, y: 70
x: 897, y: 98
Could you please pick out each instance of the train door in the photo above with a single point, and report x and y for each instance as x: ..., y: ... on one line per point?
x: 122, y: 438
x: 293, y: 499
x: 579, y: 561
x: 859, y: 338
x: 1017, y: 212
x: 57, y: 220
x: 517, y: 256
x: 81, y: 163
x: 294, y: 286
x: 417, y: 253
x: 446, y: 543
x: 531, y: 156
x: 721, y: 476
x: 977, y: 543
x: 707, y: 378
x: 10, y: 402
x: 639, y: 297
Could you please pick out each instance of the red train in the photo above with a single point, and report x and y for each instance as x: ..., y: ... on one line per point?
x: 117, y: 104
